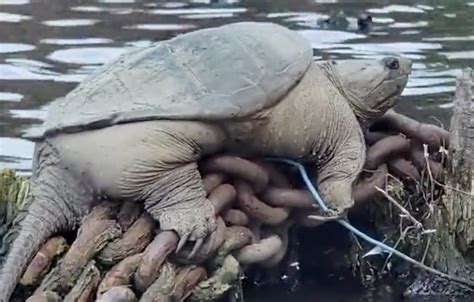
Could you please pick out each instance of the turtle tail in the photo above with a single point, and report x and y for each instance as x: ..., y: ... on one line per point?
x: 52, y: 208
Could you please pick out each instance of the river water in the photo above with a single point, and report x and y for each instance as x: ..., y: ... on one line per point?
x: 48, y: 46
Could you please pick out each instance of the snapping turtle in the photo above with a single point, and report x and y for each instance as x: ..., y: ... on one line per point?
x: 136, y: 128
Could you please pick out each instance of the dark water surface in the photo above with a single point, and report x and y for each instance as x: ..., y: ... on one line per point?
x: 48, y: 46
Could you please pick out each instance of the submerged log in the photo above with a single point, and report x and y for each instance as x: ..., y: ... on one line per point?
x: 452, y: 246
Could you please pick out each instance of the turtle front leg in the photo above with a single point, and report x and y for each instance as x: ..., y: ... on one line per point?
x: 178, y: 201
x: 335, y: 179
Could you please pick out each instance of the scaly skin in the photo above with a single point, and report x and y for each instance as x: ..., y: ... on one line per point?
x: 155, y: 162
x: 55, y: 208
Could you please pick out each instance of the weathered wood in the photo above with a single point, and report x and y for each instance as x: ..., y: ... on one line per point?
x: 452, y: 245
x: 44, y: 297
x: 40, y: 264
x: 85, y: 288
x: 120, y: 274
x: 118, y: 294
x: 132, y: 242
x: 459, y: 199
x: 96, y: 231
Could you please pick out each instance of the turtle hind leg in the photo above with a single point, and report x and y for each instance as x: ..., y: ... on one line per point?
x: 152, y: 162
x: 158, y: 167
x: 178, y: 202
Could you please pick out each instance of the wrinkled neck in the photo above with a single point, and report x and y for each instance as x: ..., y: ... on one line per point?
x: 363, y: 112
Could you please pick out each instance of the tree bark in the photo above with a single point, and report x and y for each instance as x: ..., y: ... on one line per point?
x: 452, y: 246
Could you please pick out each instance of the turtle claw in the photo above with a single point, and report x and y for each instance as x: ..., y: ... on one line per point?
x: 193, y: 223
x: 196, y: 247
x: 182, y: 242
x: 211, y: 243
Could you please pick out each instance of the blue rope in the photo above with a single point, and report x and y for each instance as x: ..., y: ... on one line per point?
x: 362, y: 235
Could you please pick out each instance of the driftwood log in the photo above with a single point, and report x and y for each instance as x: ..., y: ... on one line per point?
x: 119, y: 254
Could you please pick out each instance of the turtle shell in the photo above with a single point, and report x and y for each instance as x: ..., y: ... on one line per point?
x: 223, y: 72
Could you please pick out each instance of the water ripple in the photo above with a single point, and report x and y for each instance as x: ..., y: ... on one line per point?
x: 110, y: 10
x: 307, y: 19
x: 161, y: 26
x: 71, y: 22
x: 84, y: 41
x: 324, y: 39
x: 449, y: 38
x: 27, y: 63
x: 427, y: 90
x: 409, y: 24
x: 29, y: 114
x: 383, y: 20
x: 14, y: 2
x: 208, y: 16
x: 10, y: 97
x: 168, y: 4
x: 86, y: 55
x: 183, y: 11
x: 456, y: 55
x: 425, y: 7
x: 399, y: 48
x: 210, y: 1
x: 13, y: 18
x: 12, y: 72
x: 117, y: 1
x: 16, y: 153
x: 89, y: 9
x: 396, y: 9
x: 37, y: 72
x: 15, y: 47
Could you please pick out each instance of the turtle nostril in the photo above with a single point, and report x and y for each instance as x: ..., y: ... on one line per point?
x: 393, y: 64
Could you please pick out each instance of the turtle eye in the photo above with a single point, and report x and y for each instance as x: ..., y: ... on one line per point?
x: 392, y: 64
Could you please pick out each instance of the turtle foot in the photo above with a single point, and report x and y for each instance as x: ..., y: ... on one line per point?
x: 194, y: 223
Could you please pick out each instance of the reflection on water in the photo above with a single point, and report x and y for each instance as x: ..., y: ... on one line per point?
x: 5, y: 17
x: 70, y: 22
x: 48, y: 46
x: 10, y: 97
x: 86, y: 55
x: 165, y: 27
x: 15, y: 47
x: 83, y: 41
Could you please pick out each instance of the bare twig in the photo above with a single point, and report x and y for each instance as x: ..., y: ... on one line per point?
x: 417, y: 224
x: 401, y: 238
x: 428, y: 243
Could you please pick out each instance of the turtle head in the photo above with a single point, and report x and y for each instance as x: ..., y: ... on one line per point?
x: 370, y: 86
